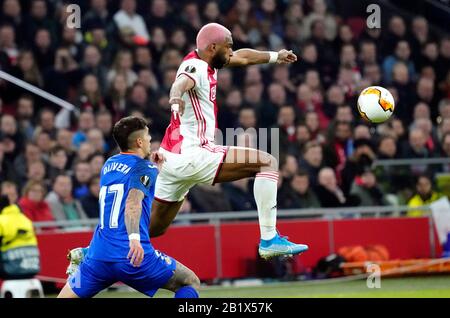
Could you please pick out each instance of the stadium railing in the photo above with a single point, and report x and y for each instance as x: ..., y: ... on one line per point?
x: 411, y: 162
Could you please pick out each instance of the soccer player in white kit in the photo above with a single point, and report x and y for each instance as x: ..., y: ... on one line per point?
x: 188, y: 145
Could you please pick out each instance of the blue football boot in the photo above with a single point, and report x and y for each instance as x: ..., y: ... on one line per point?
x: 280, y: 246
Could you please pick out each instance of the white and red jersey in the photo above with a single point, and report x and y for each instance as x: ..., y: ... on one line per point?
x: 197, y: 125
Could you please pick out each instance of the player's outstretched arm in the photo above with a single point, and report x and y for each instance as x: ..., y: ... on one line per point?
x: 133, y: 210
x: 182, y: 84
x: 245, y: 57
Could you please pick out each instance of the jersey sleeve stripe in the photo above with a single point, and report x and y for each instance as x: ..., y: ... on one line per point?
x: 201, y: 114
x: 197, y: 116
x: 201, y: 118
x: 195, y: 112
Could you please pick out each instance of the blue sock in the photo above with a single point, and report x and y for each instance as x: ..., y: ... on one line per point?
x: 186, y: 292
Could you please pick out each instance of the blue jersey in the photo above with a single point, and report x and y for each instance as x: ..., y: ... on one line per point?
x: 119, y: 175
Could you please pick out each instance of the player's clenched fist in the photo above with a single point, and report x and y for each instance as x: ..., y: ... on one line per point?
x: 136, y: 253
x: 177, y: 101
x: 285, y: 57
x: 157, y: 158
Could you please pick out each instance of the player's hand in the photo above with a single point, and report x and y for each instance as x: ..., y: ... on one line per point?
x: 136, y: 253
x: 180, y: 102
x: 286, y: 57
x: 157, y: 158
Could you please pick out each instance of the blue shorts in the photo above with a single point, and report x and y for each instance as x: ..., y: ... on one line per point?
x: 93, y: 276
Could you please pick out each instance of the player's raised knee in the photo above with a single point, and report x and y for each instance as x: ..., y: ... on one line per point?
x: 269, y: 162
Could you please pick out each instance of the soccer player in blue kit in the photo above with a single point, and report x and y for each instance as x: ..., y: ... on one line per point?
x: 120, y: 249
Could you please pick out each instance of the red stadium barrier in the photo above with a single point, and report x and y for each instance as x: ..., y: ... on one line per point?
x: 234, y: 257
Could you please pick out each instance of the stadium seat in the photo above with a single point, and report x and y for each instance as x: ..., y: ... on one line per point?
x: 21, y: 288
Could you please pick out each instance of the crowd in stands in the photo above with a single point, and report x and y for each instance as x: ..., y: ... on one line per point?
x: 123, y: 60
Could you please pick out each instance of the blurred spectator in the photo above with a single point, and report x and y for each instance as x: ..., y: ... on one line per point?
x: 421, y: 110
x: 313, y: 124
x: 402, y: 54
x: 320, y: 13
x: 312, y: 161
x: 391, y: 178
x: 12, y: 13
x: 104, y: 122
x: 229, y: 112
x: 360, y: 161
x: 92, y: 64
x: 424, y: 195
x: 64, y: 139
x: 85, y: 150
x: 90, y: 201
x: 286, y: 124
x: 31, y: 154
x: 86, y: 122
x: 190, y: 18
x: 90, y: 97
x: 426, y: 126
x: 159, y: 15
x: 366, y: 189
x: 25, y: 116
x: 329, y: 193
x: 13, y: 140
x: 64, y: 75
x: 9, y: 189
x: 372, y: 74
x: 296, y: 193
x: 57, y: 163
x: 61, y: 201
x: 7, y: 171
x: 43, y: 48
x: 209, y: 198
x: 96, y: 162
x: 334, y: 98
x: 32, y: 202
x: 117, y: 97
x: 98, y: 11
x: 446, y: 151
x: 39, y: 18
x: 8, y: 43
x: 425, y: 93
x: 416, y: 147
x: 95, y: 137
x: 289, y: 167
x: 81, y: 178
x: 142, y: 58
x: 239, y: 194
x: 123, y: 64
x: 339, y: 146
x: 302, y: 137
x: 27, y: 70
x: 362, y: 131
x: 269, y: 110
x: 127, y: 17
x: 36, y: 172
x: 368, y: 53
x: 396, y: 32
x: 247, y: 118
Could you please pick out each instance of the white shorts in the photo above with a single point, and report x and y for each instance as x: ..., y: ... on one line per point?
x: 182, y: 171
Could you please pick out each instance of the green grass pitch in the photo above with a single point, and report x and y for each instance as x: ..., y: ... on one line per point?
x: 414, y: 287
